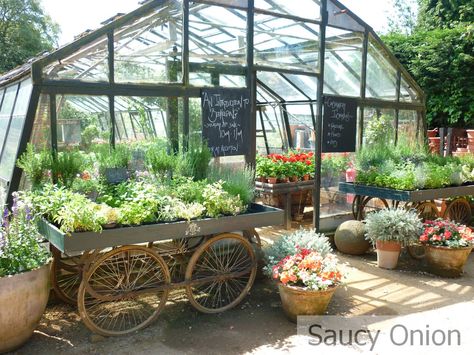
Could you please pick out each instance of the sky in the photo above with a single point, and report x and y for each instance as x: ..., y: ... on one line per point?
x: 74, y: 17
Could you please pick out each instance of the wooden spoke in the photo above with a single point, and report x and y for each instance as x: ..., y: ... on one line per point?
x: 253, y: 237
x: 66, y: 275
x: 459, y: 210
x: 230, y: 260
x: 427, y: 210
x: 371, y: 204
x: 108, y: 301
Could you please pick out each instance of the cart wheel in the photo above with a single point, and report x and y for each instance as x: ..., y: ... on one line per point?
x: 459, y: 211
x: 416, y: 251
x: 356, y: 206
x: 427, y: 210
x: 124, y: 290
x: 253, y: 237
x: 66, y: 275
x: 221, y: 273
x: 371, y: 204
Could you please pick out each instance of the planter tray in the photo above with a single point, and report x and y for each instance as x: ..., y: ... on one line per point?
x: 401, y: 195
x: 286, y: 187
x: 256, y: 216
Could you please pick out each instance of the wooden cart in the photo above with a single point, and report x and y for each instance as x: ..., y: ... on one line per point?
x: 120, y: 278
x: 368, y: 198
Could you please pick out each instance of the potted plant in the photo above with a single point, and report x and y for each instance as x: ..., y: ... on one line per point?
x: 306, y: 281
x: 447, y: 246
x: 390, y: 229
x: 24, y: 277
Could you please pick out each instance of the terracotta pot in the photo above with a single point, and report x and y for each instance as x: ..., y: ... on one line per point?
x: 261, y: 179
x: 447, y: 262
x: 284, y: 180
x: 297, y: 301
x: 306, y: 177
x: 272, y: 180
x: 294, y: 178
x: 432, y: 133
x: 23, y: 299
x: 470, y: 133
x: 110, y: 225
x: 387, y: 254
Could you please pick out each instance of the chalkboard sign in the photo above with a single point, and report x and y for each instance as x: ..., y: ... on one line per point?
x: 339, y: 124
x: 226, y: 121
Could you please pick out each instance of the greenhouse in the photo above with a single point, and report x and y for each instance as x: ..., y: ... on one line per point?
x: 143, y: 75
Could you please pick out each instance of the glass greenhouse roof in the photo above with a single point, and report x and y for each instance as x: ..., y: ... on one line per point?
x: 137, y: 77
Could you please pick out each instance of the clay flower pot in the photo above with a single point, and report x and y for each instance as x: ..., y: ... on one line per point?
x: 23, y: 299
x: 447, y: 262
x: 470, y: 133
x: 297, y: 301
x: 271, y: 180
x: 294, y: 178
x: 387, y: 254
x: 306, y: 177
x: 432, y: 132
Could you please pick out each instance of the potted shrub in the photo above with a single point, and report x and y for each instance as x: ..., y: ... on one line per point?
x: 306, y: 281
x: 447, y: 246
x: 292, y: 245
x: 390, y: 229
x: 24, y: 277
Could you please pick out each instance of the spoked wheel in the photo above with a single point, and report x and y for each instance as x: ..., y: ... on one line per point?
x: 253, y: 237
x: 221, y: 273
x: 123, y: 291
x: 66, y: 275
x: 427, y: 210
x: 459, y: 211
x: 356, y: 206
x: 369, y: 205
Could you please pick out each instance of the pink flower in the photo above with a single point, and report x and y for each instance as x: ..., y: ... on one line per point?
x: 447, y: 234
x: 423, y: 238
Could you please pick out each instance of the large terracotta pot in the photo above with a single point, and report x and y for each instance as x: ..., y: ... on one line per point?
x: 432, y: 132
x: 387, y: 254
x: 470, y: 133
x: 447, y: 262
x: 23, y: 299
x: 297, y: 301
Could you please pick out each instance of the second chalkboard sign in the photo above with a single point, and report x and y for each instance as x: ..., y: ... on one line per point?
x: 339, y: 124
x: 226, y: 121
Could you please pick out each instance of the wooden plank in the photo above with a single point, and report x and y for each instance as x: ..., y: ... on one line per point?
x: 412, y: 196
x: 281, y: 188
x: 257, y: 216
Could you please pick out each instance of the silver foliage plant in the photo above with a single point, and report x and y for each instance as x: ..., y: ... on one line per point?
x: 393, y: 224
x: 291, y: 243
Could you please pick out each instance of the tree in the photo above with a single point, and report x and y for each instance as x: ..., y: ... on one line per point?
x: 404, y: 18
x: 445, y: 13
x: 439, y: 54
x: 25, y: 31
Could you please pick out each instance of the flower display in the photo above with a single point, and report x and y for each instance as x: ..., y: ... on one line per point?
x: 446, y: 234
x: 308, y: 269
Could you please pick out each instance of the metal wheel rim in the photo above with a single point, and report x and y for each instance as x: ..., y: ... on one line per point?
x: 459, y: 211
x: 119, y: 272
x: 215, y: 257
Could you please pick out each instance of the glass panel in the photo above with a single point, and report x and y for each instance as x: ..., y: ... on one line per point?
x: 343, y: 62
x: 301, y: 126
x: 407, y: 126
x: 287, y: 44
x: 41, y: 136
x: 149, y: 50
x: 272, y: 120
x: 407, y: 93
x: 90, y: 63
x: 379, y: 126
x: 12, y: 142
x: 6, y: 111
x: 232, y: 81
x: 280, y: 86
x: 338, y: 17
x: 82, y: 121
x: 217, y: 35
x: 2, y: 91
x: 381, y: 75
x: 307, y: 84
x: 302, y: 8
x: 140, y: 118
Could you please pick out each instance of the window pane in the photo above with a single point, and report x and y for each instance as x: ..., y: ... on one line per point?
x: 379, y: 125
x: 6, y: 111
x: 23, y: 99
x: 287, y: 44
x: 407, y: 126
x: 407, y: 93
x: 343, y: 62
x: 381, y: 75
x: 89, y: 63
x: 216, y: 36
x: 82, y: 121
x: 149, y: 49
x: 302, y: 8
